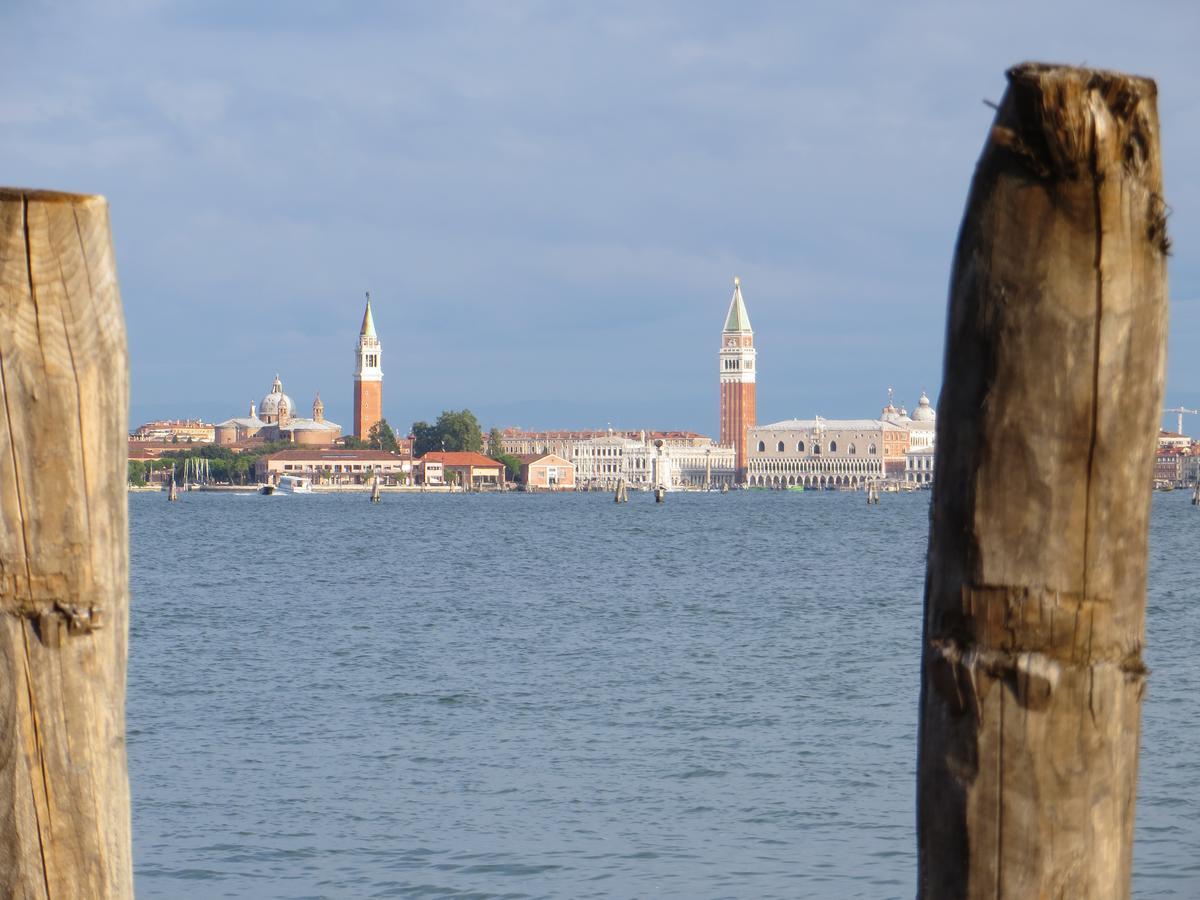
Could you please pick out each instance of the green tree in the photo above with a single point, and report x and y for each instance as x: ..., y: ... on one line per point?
x: 137, y: 472
x: 460, y: 430
x: 511, y: 463
x: 381, y: 437
x: 425, y: 438
x: 453, y: 430
x: 495, y: 443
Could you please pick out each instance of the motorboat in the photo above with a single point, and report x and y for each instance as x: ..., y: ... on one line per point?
x: 294, y: 484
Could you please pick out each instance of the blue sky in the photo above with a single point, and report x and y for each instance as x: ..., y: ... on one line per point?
x: 548, y: 201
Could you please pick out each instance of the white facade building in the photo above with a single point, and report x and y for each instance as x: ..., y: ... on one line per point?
x: 601, y: 462
x: 821, y: 453
x: 918, y: 466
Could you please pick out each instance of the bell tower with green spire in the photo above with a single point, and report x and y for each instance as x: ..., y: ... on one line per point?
x: 368, y: 377
x: 737, y: 378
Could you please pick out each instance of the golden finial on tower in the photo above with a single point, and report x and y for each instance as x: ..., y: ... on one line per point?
x: 736, y: 281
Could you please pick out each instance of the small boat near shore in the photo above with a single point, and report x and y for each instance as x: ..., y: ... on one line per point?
x: 294, y: 484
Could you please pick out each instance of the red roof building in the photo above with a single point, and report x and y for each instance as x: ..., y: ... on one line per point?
x: 466, y: 468
x: 332, y: 465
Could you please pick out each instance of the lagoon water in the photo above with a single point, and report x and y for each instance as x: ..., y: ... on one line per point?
x: 535, y: 696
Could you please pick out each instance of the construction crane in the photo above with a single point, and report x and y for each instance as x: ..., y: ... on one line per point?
x: 1181, y: 410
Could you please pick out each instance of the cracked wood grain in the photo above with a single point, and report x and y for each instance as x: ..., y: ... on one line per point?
x: 64, y: 792
x: 1032, y: 672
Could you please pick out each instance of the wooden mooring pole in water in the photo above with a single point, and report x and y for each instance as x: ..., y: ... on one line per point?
x: 1032, y: 673
x: 64, y: 595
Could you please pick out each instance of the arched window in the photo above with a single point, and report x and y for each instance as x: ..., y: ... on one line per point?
x: 780, y: 447
x: 833, y: 446
x: 871, y: 449
x: 852, y: 450
x: 762, y: 446
x: 816, y: 448
x: 799, y: 446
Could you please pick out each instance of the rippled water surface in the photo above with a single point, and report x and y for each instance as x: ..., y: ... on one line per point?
x: 534, y: 696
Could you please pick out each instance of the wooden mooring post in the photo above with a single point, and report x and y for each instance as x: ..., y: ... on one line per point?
x: 1032, y: 673
x: 64, y: 596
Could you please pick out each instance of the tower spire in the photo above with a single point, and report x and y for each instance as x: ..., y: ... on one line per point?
x: 738, y: 320
x: 368, y: 323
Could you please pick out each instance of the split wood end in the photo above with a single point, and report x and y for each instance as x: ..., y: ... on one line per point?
x: 37, y: 195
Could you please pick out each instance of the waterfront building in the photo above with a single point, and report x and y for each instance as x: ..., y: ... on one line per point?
x: 1170, y: 464
x: 701, y: 466
x: 274, y: 419
x: 647, y: 461
x: 918, y: 465
x: 468, y: 468
x: 1191, y: 465
x: 175, y: 430
x: 1173, y: 440
x: 736, y: 372
x: 605, y: 460
x: 519, y: 442
x: 823, y: 452
x: 547, y: 472
x: 333, y: 465
x: 429, y: 472
x: 368, y: 377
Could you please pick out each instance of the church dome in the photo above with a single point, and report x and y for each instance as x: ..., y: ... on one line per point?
x: 924, y: 411
x: 276, y: 404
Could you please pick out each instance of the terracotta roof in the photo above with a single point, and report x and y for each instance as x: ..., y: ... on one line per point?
x: 529, y: 458
x: 334, y: 454
x: 478, y: 460
x: 594, y: 433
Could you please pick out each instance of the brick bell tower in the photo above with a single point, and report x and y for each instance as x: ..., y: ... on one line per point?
x: 737, y: 380
x: 368, y: 377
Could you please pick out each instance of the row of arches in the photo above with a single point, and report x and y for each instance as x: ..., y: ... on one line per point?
x: 817, y: 467
x: 820, y: 482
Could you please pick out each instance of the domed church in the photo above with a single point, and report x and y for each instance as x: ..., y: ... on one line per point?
x: 276, y: 407
x: 275, y: 420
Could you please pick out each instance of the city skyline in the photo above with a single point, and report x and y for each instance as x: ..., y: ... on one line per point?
x: 536, y: 196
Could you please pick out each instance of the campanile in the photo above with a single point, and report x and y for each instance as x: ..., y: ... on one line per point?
x: 368, y: 377
x: 737, y: 379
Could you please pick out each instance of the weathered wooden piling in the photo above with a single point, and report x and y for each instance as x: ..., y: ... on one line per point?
x: 622, y: 493
x: 1032, y: 672
x: 64, y: 600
